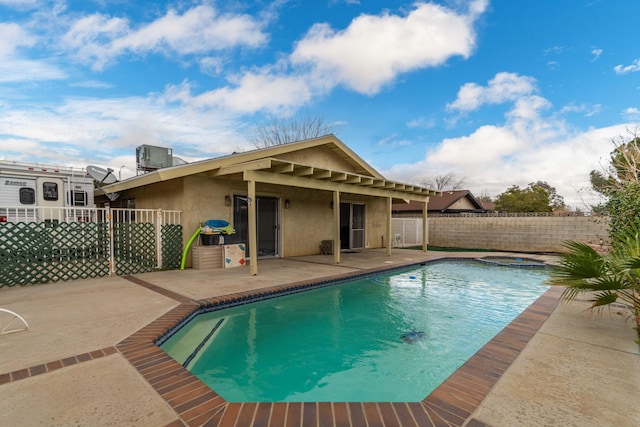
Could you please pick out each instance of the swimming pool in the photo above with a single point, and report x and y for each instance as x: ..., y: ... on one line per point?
x: 393, y: 337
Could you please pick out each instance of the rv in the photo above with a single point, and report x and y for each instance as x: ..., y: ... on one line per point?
x: 34, y: 192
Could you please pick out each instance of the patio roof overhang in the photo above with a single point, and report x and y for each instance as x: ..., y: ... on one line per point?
x: 281, y: 172
x: 270, y: 170
x: 291, y: 174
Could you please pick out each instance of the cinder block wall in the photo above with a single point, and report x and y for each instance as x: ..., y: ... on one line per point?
x: 520, y: 234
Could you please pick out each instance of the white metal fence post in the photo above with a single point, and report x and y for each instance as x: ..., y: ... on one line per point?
x: 159, y: 237
x: 112, y: 255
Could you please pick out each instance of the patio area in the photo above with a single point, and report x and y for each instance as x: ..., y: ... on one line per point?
x: 77, y: 364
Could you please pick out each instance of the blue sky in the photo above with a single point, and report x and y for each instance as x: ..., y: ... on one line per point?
x: 497, y: 93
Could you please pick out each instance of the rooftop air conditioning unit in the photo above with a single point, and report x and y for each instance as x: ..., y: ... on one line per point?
x: 150, y: 158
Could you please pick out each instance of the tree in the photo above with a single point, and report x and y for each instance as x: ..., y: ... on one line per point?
x: 620, y: 184
x: 603, y: 279
x: 284, y: 131
x: 534, y: 198
x: 443, y: 182
x: 556, y: 201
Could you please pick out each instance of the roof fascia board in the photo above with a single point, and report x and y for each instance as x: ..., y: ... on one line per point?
x: 295, y: 181
x: 241, y: 167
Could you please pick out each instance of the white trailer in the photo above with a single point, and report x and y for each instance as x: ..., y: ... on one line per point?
x: 35, y: 192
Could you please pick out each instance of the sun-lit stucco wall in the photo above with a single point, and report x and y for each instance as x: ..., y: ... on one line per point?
x: 303, y: 226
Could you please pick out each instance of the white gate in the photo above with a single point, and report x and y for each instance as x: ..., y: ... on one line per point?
x: 407, y: 232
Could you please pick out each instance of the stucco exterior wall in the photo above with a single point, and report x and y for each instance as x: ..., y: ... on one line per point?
x: 306, y: 223
x: 522, y: 234
x: 303, y: 226
x: 320, y: 157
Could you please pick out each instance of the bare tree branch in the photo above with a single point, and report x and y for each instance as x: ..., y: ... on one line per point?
x: 444, y: 181
x: 284, y: 131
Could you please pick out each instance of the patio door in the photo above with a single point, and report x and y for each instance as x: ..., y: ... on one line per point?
x: 268, y: 224
x: 352, y: 221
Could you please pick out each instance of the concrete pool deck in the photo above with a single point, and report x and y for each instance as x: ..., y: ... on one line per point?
x: 70, y: 367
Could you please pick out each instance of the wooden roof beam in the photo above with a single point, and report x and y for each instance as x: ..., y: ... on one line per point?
x: 366, y: 181
x: 303, y: 171
x: 338, y: 176
x: 321, y: 174
x: 284, y: 168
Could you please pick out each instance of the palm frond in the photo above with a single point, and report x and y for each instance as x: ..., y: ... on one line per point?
x: 581, y: 262
x: 603, y: 298
x: 631, y: 263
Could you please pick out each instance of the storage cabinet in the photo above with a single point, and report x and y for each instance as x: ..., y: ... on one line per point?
x: 207, y: 257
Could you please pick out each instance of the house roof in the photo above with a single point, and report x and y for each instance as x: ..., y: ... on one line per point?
x: 441, y: 202
x: 262, y: 166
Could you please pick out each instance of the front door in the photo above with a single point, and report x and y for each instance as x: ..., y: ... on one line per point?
x: 352, y: 221
x: 268, y: 224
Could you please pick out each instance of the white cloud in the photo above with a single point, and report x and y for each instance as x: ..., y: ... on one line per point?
x: 90, y: 130
x: 625, y: 69
x: 553, y: 65
x: 631, y: 114
x: 98, y: 39
x: 13, y: 36
x: 260, y: 91
x: 24, y: 70
x: 596, y: 54
x: 393, y: 141
x: 421, y: 123
x: 20, y: 4
x: 373, y: 50
x: 370, y: 52
x: 211, y: 65
x: 13, y: 67
x: 526, y: 148
x: 93, y: 84
x: 529, y: 146
x: 554, y: 50
x: 504, y: 87
x: 584, y: 109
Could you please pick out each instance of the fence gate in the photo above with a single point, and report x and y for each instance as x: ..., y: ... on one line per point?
x: 407, y: 232
x: 42, y: 245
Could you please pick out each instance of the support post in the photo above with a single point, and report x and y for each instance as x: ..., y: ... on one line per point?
x: 253, y: 227
x: 388, y: 232
x: 425, y: 230
x: 336, y: 227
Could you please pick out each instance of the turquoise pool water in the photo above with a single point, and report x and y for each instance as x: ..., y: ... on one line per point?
x: 393, y: 337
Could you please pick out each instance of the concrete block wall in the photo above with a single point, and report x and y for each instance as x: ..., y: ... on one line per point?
x: 520, y: 234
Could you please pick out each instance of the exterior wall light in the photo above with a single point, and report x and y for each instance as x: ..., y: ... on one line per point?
x: 227, y: 200
x: 287, y: 204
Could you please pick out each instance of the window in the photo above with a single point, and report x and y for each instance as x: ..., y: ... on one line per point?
x: 27, y: 196
x: 50, y: 191
x: 77, y: 198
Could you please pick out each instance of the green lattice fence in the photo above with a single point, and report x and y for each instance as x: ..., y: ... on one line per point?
x: 45, y: 252
x: 134, y: 246
x: 171, y: 246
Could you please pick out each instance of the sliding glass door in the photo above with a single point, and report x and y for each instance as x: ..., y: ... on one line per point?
x: 268, y: 224
x: 352, y: 226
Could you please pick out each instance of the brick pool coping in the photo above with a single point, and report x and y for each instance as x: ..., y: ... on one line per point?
x: 450, y: 404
